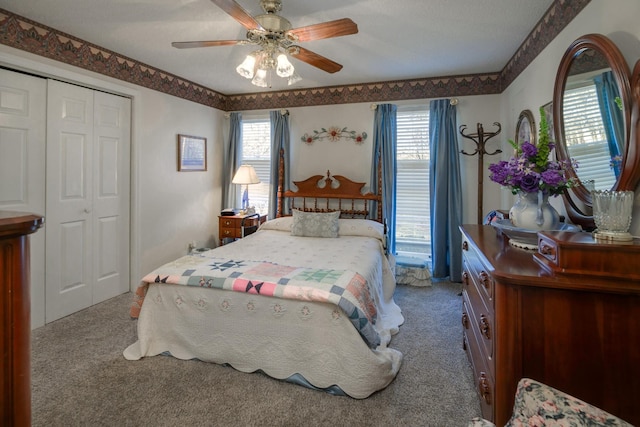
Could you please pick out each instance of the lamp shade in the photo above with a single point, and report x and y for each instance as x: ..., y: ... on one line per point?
x: 245, y: 174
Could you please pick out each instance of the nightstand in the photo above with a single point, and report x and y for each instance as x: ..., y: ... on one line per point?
x: 230, y: 226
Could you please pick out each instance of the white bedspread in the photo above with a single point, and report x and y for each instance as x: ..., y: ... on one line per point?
x: 281, y: 337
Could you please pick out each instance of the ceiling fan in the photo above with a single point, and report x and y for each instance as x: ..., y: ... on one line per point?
x: 275, y: 37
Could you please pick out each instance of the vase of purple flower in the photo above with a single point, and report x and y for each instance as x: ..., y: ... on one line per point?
x: 534, y: 177
x: 534, y: 212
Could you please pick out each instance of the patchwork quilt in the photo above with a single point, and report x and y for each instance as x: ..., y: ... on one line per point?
x: 344, y: 288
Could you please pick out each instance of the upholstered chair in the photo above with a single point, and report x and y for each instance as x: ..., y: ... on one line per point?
x: 537, y: 404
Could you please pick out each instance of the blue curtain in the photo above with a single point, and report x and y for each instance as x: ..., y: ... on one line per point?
x: 445, y: 192
x: 385, y: 143
x: 231, y: 161
x: 607, y: 90
x: 280, y: 140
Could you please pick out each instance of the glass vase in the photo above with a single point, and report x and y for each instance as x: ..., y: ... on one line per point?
x: 532, y: 211
x: 612, y: 212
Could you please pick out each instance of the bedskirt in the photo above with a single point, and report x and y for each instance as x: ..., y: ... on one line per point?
x: 282, y: 338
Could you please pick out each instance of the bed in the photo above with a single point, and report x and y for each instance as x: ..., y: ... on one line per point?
x: 307, y: 298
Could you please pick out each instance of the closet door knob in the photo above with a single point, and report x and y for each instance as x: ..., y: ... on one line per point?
x: 87, y: 210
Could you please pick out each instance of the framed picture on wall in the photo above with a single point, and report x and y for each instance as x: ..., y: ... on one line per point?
x: 192, y: 153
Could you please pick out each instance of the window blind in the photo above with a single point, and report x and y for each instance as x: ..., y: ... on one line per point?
x: 413, y: 234
x: 585, y: 136
x: 256, y: 151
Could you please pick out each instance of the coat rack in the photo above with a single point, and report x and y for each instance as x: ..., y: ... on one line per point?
x: 480, y: 138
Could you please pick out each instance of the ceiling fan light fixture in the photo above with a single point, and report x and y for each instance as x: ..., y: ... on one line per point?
x: 246, y: 68
x: 284, y: 68
x: 274, y: 36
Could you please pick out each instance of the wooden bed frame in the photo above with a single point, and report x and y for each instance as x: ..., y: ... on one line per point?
x: 328, y: 194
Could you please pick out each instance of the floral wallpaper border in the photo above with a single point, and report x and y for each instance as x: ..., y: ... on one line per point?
x: 30, y: 36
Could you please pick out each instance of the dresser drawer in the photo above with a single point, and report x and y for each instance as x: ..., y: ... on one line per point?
x: 481, y: 322
x: 229, y: 233
x: 479, y: 273
x: 482, y: 367
x: 474, y: 285
x: 229, y: 223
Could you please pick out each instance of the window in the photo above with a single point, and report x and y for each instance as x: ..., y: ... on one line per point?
x: 256, y: 151
x: 585, y: 136
x: 413, y: 231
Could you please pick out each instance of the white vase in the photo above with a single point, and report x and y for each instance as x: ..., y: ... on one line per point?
x: 533, y: 211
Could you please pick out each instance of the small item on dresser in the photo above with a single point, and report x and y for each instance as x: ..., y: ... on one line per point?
x: 525, y: 238
x: 612, y: 214
x: 228, y: 212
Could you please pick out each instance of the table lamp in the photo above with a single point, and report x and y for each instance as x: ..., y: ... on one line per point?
x: 245, y: 175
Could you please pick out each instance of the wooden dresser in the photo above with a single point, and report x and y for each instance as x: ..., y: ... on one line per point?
x: 528, y: 315
x: 15, y: 312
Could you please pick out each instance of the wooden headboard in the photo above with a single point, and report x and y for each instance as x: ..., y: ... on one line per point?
x: 329, y: 193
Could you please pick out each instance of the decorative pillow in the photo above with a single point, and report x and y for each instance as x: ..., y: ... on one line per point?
x: 315, y: 224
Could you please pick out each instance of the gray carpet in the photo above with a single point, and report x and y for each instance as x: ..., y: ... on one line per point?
x: 80, y: 377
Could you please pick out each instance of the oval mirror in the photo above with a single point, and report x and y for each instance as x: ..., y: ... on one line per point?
x: 526, y: 128
x: 591, y: 115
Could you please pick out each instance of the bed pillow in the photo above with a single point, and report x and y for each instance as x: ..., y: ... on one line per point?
x: 279, y: 224
x: 315, y: 224
x: 361, y: 227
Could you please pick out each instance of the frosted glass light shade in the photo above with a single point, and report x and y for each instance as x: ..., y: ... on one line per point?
x: 260, y: 79
x: 246, y: 68
x: 293, y: 78
x: 284, y: 68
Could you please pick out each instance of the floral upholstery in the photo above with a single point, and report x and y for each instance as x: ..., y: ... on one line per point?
x: 537, y: 404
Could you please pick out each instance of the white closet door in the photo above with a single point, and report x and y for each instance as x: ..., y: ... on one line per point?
x: 22, y: 165
x: 69, y: 231
x: 88, y: 145
x: 112, y: 130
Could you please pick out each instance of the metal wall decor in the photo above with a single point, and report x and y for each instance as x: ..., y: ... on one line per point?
x: 334, y: 133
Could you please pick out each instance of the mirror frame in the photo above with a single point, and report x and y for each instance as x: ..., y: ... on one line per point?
x: 578, y: 201
x: 526, y: 117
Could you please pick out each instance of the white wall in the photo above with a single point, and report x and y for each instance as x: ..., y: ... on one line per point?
x: 534, y: 87
x: 174, y: 207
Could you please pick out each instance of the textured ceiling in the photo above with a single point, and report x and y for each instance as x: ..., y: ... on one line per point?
x: 397, y: 40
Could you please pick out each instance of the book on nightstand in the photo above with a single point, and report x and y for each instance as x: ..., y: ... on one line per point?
x: 228, y: 212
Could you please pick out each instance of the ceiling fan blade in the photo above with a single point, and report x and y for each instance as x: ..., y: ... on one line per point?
x: 325, y: 30
x: 238, y: 13
x: 316, y: 60
x: 188, y: 45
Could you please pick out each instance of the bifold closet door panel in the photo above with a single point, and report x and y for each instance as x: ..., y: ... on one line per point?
x: 23, y: 114
x: 69, y: 232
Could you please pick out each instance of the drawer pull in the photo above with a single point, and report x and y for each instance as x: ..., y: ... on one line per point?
x: 465, y: 278
x: 227, y: 232
x: 484, y: 279
x: 465, y: 246
x: 465, y: 320
x: 227, y: 223
x: 484, y: 388
x: 485, y: 328
x: 547, y: 250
